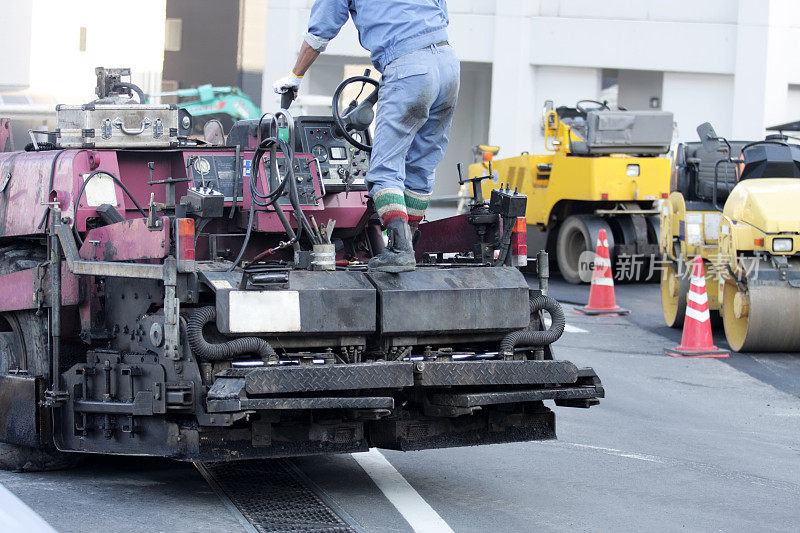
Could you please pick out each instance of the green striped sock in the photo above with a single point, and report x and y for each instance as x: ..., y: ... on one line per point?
x: 416, y: 205
x: 390, y: 204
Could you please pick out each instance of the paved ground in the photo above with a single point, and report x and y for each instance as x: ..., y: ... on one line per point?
x: 678, y: 444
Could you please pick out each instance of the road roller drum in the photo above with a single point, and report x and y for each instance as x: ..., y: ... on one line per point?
x: 765, y: 318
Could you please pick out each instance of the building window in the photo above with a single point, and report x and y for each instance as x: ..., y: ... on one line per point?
x: 609, y: 86
x: 82, y: 39
x: 173, y: 35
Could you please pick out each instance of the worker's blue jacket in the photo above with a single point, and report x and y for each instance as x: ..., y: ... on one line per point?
x: 387, y: 28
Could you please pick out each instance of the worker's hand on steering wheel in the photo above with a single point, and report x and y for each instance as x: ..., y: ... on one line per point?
x: 288, y: 83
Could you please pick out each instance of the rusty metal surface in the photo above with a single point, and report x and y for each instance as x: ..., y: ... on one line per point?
x: 125, y: 241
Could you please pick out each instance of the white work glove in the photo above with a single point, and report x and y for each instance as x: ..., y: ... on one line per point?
x: 288, y: 83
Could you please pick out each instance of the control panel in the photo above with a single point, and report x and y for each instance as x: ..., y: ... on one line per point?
x: 309, y: 189
x: 218, y: 171
x: 342, y: 166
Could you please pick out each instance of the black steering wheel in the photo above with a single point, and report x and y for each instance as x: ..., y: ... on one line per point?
x: 358, y: 115
x: 599, y: 105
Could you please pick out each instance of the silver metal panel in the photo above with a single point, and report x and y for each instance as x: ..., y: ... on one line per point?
x: 116, y: 126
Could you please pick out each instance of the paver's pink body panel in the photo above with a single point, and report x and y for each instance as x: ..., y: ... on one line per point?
x: 127, y: 241
x: 18, y: 289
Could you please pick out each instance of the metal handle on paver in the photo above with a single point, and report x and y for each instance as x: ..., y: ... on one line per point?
x: 543, y: 271
x: 145, y: 124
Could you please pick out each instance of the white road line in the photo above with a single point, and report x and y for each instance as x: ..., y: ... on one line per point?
x: 16, y: 517
x: 613, y: 451
x: 567, y: 327
x: 574, y: 329
x: 419, y: 515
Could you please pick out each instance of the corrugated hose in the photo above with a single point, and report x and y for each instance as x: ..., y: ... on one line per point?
x: 528, y: 337
x: 206, y: 351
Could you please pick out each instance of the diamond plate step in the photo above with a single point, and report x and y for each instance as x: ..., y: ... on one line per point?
x: 235, y: 404
x: 448, y: 374
x: 313, y: 378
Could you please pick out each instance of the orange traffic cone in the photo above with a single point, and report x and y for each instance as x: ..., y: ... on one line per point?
x: 601, y: 294
x: 697, y: 340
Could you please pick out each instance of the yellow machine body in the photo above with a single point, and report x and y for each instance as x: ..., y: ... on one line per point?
x: 750, y: 249
x: 561, y: 184
x: 758, y: 258
x: 685, y: 235
x: 585, y: 179
x: 548, y: 179
x: 757, y: 212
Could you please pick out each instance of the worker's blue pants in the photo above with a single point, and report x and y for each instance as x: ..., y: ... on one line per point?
x: 412, y: 127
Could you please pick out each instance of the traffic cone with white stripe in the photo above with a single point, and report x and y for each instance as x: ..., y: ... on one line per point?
x: 697, y: 340
x: 601, y: 294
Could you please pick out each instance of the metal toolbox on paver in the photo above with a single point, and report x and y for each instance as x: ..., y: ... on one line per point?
x: 116, y: 125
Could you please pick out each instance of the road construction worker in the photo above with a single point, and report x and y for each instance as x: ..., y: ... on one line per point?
x: 407, y: 40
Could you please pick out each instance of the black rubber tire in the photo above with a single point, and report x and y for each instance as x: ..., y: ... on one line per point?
x: 576, y: 235
x: 573, y: 239
x: 31, y: 333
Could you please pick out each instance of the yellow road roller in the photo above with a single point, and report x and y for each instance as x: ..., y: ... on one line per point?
x: 756, y: 264
x: 605, y: 170
x: 689, y: 222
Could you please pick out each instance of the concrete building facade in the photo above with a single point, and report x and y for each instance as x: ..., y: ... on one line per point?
x: 730, y: 62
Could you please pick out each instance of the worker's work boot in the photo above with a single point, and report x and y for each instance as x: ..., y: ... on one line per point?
x: 398, y: 256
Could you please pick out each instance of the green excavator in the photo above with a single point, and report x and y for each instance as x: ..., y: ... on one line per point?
x: 226, y: 104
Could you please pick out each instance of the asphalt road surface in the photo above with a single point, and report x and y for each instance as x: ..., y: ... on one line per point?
x: 677, y: 445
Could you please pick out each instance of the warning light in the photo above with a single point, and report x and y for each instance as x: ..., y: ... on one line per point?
x: 519, y: 243
x: 185, y: 239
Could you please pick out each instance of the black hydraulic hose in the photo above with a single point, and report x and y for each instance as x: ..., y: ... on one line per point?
x: 246, y: 237
x: 288, y: 153
x: 80, y: 194
x: 43, y: 146
x: 528, y: 337
x: 294, y: 197
x: 273, y: 169
x: 274, y: 196
x: 46, y: 213
x: 132, y: 87
x: 206, y: 351
x: 255, y: 194
x: 287, y: 227
x: 505, y: 241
